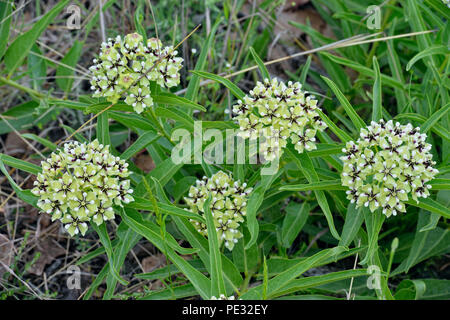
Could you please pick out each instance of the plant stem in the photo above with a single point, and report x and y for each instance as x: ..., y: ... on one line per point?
x: 20, y: 87
x: 153, y: 117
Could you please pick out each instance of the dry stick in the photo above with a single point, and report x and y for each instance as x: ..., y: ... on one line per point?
x: 25, y: 283
x: 354, y: 268
x: 22, y: 138
x: 60, y: 63
x: 15, y: 11
x: 54, y: 51
x: 335, y: 45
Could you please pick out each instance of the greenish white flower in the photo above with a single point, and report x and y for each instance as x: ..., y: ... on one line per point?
x: 228, y: 205
x: 129, y: 64
x: 80, y: 183
x: 385, y: 165
x: 276, y: 111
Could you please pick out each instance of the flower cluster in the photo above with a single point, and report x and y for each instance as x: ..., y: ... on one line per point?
x: 81, y: 183
x: 447, y: 2
x: 388, y: 162
x: 277, y: 112
x: 129, y: 64
x: 228, y: 205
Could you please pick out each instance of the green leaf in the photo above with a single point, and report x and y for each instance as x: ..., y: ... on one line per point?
x: 174, y: 100
x: 217, y: 284
x: 262, y: 68
x: 97, y: 281
x: 377, y: 107
x: 356, y: 119
x: 425, y: 244
x: 305, y: 70
x: 138, y: 19
x: 353, y: 222
x: 24, y: 195
x: 144, y: 204
x: 440, y: 184
x: 341, y: 134
x: 365, y: 71
x: 132, y: 121
x: 128, y: 239
x: 170, y: 270
x: 103, y: 129
x: 283, y: 279
x: 254, y: 202
x: 64, y: 74
x: 321, y: 185
x: 196, y: 278
x: 315, y: 281
x: 436, y: 128
x: 20, y: 164
x: 5, y: 18
x: 19, y: 49
x: 325, y: 149
x: 172, y: 113
x: 179, y: 292
x: 143, y: 141
x: 234, y: 89
x: 230, y: 273
x: 37, y: 67
x: 194, y: 83
x: 436, y: 49
x: 431, y: 121
x: 440, y: 7
x: 293, y: 222
x: 41, y: 140
x: 106, y: 242
x: 373, y: 222
x: 304, y: 163
x: 431, y: 205
x: 154, y: 231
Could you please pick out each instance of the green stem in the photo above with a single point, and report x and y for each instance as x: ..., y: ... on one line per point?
x: 20, y: 87
x: 152, y: 114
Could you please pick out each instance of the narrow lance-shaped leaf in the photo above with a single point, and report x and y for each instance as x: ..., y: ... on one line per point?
x: 377, y: 105
x: 234, y: 89
x: 217, y: 284
x: 262, y: 68
x: 19, y: 49
x: 356, y: 119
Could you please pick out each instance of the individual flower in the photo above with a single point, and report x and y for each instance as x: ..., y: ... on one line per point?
x: 276, y: 112
x: 228, y: 205
x: 447, y: 2
x: 129, y: 65
x: 387, y: 163
x: 80, y: 183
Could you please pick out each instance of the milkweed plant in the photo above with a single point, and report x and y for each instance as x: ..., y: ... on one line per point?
x: 359, y: 136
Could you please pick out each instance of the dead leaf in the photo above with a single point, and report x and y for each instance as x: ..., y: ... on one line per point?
x: 153, y: 262
x: 49, y: 250
x: 144, y: 162
x: 14, y: 144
